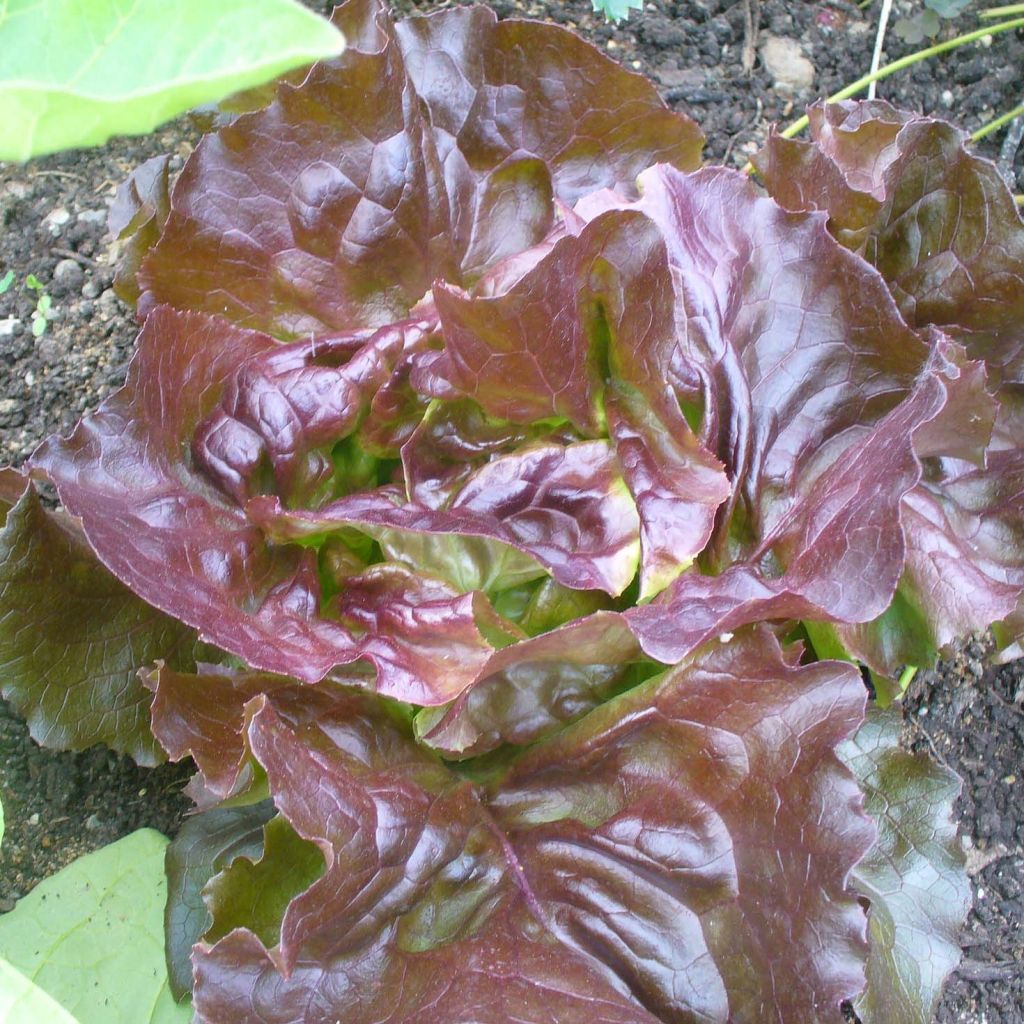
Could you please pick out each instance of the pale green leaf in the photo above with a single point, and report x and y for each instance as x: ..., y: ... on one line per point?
x: 617, y: 10
x: 21, y: 1002
x: 92, y: 936
x: 76, y: 72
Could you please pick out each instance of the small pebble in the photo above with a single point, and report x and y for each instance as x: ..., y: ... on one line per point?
x: 7, y: 327
x: 91, y: 290
x: 108, y: 305
x: 784, y: 60
x: 67, y: 277
x: 93, y: 823
x: 56, y: 219
x: 33, y: 819
x: 947, y: 98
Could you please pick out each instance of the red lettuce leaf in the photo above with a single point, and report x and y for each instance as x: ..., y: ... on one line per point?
x: 72, y: 636
x: 964, y: 564
x: 534, y: 687
x: 941, y: 226
x: 914, y: 875
x: 137, y: 217
x: 789, y: 343
x: 566, y: 507
x: 936, y: 220
x: 214, y: 739
x: 159, y: 526
x: 424, y: 152
x: 588, y: 335
x: 840, y: 548
x: 638, y: 867
x: 285, y: 411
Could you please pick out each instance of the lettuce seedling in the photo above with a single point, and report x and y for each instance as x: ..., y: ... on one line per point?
x: 491, y: 492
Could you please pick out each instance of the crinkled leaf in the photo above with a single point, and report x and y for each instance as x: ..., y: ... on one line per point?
x: 618, y: 872
x: 809, y: 402
x: 159, y: 525
x: 70, y: 74
x: 284, y: 414
x: 438, y: 149
x: 964, y: 565
x: 206, y: 844
x: 564, y: 506
x: 91, y: 936
x: 546, y: 682
x: 137, y: 216
x: 162, y: 528
x: 914, y: 875
x: 588, y: 335
x: 841, y: 547
x: 72, y: 637
x: 944, y: 231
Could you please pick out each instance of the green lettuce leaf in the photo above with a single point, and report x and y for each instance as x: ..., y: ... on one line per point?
x: 914, y: 874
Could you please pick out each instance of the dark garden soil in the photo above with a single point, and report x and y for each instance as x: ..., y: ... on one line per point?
x: 968, y: 713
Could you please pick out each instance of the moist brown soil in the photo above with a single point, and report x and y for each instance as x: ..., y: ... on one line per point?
x: 968, y: 713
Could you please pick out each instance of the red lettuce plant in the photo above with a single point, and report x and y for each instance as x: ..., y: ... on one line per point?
x: 489, y: 488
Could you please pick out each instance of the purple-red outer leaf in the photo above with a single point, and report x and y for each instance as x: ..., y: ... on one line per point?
x: 72, y: 636
x: 160, y: 527
x: 943, y: 231
x: 137, y: 217
x: 840, y: 547
x: 652, y: 852
x: 421, y: 153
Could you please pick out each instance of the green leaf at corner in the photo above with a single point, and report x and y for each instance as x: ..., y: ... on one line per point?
x: 21, y: 1002
x: 92, y: 936
x: 75, y: 72
x: 617, y: 10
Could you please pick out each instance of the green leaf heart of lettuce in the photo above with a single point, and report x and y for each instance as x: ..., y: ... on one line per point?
x: 488, y: 475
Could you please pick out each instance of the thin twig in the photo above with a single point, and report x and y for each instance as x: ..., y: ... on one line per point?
x: 1009, y: 705
x: 76, y: 256
x: 57, y: 174
x: 915, y: 724
x: 979, y: 970
x: 751, y: 24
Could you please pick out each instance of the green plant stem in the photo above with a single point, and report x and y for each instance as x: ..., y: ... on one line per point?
x: 907, y: 677
x: 997, y: 123
x: 905, y: 62
x: 1011, y: 11
x: 1019, y: 200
